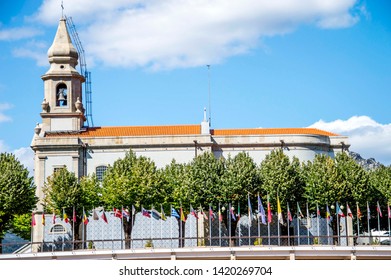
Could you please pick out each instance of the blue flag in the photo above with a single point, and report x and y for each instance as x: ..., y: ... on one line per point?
x: 261, y: 211
x: 174, y: 213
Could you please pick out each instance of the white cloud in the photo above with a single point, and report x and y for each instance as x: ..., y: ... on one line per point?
x: 11, y: 34
x: 184, y: 33
x: 34, y: 49
x: 26, y: 156
x: 3, y: 116
x: 366, y: 136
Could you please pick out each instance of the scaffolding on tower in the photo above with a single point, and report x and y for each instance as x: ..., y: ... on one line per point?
x: 83, y: 71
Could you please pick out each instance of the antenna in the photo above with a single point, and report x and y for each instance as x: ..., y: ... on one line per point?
x: 62, y: 9
x: 210, y: 108
x: 83, y: 71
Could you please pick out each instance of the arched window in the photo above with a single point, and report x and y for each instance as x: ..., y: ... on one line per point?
x: 61, y: 95
x: 57, y: 229
x: 100, y: 172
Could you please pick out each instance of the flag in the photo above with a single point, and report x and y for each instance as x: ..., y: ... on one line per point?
x: 125, y: 213
x: 193, y: 212
x: 238, y: 214
x: 289, y: 214
x: 379, y: 210
x: 117, y: 213
x: 133, y: 210
x: 269, y: 211
x: 279, y: 211
x: 368, y: 211
x: 74, y: 215
x: 250, y: 210
x: 155, y: 214
x: 211, y: 214
x: 54, y: 218
x: 339, y: 211
x: 95, y: 215
x: 65, y: 217
x: 33, y: 222
x: 43, y: 218
x: 146, y: 213
x: 359, y: 214
x: 328, y: 216
x: 174, y: 213
x: 388, y: 211
x: 261, y: 211
x: 85, y: 219
x: 299, y: 213
x: 317, y: 210
x: 203, y: 213
x: 231, y: 210
x: 220, y: 215
x: 104, y: 218
x: 183, y: 218
x: 162, y: 215
x: 348, y: 211
x: 308, y: 225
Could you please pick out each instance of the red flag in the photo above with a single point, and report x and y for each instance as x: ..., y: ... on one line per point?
x: 269, y: 211
x: 211, y: 214
x: 389, y: 211
x: 193, y: 212
x: 104, y: 218
x: 379, y: 210
x: 43, y: 218
x: 33, y: 223
x: 289, y: 214
x: 85, y: 219
x: 54, y: 218
x: 350, y: 214
x: 117, y: 213
x: 359, y: 214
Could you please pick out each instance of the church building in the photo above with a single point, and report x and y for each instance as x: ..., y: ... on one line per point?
x: 63, y: 140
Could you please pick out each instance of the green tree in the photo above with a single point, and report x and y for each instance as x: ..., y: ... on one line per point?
x: 280, y: 175
x: 132, y: 181
x: 204, y: 180
x: 17, y: 192
x: 380, y: 181
x: 64, y: 194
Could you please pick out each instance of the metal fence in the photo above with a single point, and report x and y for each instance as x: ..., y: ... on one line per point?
x: 150, y: 232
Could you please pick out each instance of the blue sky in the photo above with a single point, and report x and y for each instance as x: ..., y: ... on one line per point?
x: 286, y: 63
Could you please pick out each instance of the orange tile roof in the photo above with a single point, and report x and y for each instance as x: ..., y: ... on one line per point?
x: 133, y: 131
x: 271, y: 131
x: 108, y: 131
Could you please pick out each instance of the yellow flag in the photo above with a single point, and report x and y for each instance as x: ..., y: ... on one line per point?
x: 279, y: 212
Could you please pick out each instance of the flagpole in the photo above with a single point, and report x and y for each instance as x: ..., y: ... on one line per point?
x: 328, y: 223
x: 258, y: 221
x: 288, y: 213
x: 298, y: 224
x: 63, y: 235
x: 210, y: 227
x: 229, y: 223
x: 82, y: 232
x: 122, y: 226
x: 358, y: 222
x: 171, y: 225
x: 219, y: 225
x: 103, y: 242
x: 278, y: 220
x: 378, y: 218
x: 308, y: 226
x: 161, y: 224
x: 337, y: 208
x: 237, y: 224
x: 73, y: 228
x: 368, y: 217
x: 268, y: 219
x: 191, y: 234
x: 317, y: 220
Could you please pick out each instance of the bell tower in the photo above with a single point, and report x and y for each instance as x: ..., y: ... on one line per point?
x: 62, y: 107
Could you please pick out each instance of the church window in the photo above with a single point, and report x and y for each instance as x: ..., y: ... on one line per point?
x: 100, y: 172
x: 57, y: 229
x: 61, y: 95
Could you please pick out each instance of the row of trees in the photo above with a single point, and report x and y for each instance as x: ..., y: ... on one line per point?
x: 206, y: 180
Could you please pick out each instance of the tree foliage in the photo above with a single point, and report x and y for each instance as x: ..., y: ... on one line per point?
x: 280, y: 176
x: 17, y: 192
